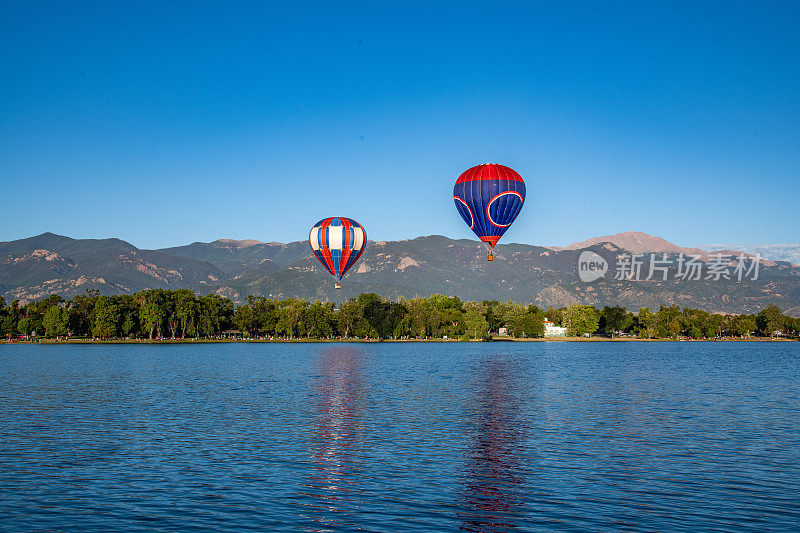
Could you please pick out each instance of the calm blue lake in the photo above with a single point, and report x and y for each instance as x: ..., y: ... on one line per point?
x: 390, y: 437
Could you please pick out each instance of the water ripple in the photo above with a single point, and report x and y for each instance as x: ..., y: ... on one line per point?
x: 386, y: 437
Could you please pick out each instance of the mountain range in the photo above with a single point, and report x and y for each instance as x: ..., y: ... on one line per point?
x: 38, y: 266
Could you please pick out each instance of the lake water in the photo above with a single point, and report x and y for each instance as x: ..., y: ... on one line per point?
x: 390, y: 437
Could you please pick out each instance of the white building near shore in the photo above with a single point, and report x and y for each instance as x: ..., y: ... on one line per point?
x: 551, y: 330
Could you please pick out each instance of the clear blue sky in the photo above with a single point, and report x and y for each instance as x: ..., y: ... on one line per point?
x: 164, y: 125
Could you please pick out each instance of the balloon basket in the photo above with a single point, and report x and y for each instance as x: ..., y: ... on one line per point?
x: 338, y: 285
x: 491, y: 257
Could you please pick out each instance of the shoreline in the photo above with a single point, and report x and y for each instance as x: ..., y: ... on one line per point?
x: 358, y: 341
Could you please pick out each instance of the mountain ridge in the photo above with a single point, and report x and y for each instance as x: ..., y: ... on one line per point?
x: 49, y: 263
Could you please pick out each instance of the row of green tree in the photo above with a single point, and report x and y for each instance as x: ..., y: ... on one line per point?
x: 672, y: 322
x: 181, y: 314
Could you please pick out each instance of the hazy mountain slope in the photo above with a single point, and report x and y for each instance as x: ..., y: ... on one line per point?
x: 776, y: 252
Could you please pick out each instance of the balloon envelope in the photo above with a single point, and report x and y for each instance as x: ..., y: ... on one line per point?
x: 337, y: 243
x: 489, y: 198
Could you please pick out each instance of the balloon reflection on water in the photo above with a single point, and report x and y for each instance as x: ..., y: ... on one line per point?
x: 492, y: 495
x: 336, y: 432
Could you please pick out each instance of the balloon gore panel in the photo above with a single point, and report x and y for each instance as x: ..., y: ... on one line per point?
x: 489, y: 198
x: 337, y: 243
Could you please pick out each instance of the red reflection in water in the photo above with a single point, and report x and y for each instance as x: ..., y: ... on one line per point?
x: 339, y: 391
x: 491, y: 489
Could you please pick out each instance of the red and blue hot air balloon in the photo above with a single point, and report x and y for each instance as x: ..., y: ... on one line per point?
x: 489, y: 198
x: 337, y: 243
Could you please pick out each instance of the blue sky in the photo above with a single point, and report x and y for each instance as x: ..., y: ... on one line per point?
x: 164, y: 125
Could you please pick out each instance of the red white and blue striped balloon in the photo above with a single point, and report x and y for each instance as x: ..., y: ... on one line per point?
x: 337, y: 243
x: 489, y: 198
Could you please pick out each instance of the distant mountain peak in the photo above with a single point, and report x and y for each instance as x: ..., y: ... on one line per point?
x: 56, y: 242
x: 46, y: 236
x: 633, y: 241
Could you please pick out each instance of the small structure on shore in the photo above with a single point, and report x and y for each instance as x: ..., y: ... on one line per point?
x: 231, y: 334
x: 551, y: 330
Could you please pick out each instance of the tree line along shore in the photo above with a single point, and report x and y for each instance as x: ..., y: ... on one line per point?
x: 160, y: 314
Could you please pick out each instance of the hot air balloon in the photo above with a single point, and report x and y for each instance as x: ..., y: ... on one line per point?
x: 337, y: 243
x: 489, y: 198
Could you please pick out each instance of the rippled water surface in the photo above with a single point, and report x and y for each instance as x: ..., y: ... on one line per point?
x: 390, y: 437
